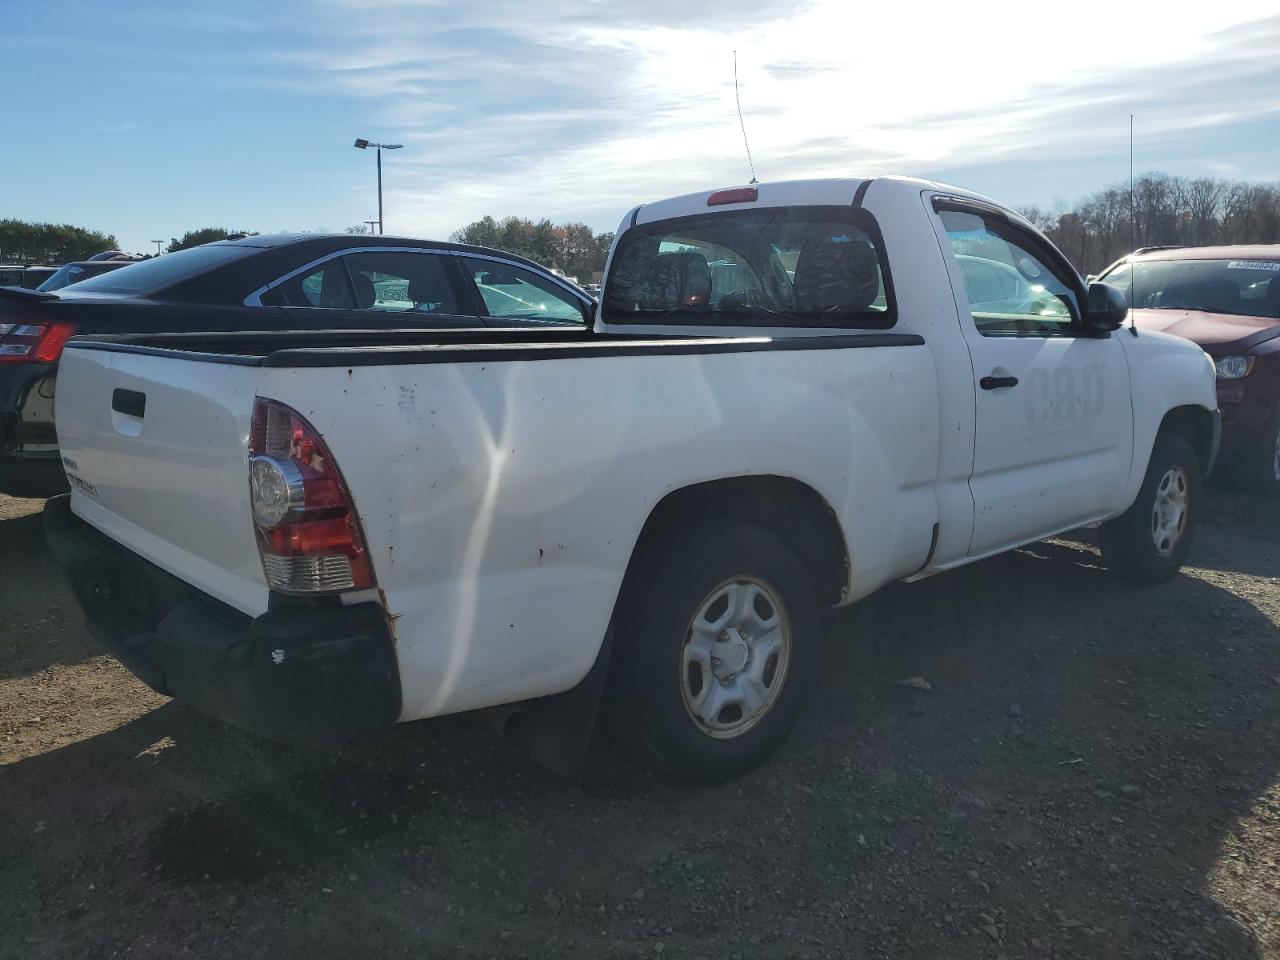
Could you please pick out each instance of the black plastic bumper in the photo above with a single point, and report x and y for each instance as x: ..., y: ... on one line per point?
x: 304, y: 672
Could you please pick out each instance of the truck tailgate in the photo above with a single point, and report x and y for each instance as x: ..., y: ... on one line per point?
x: 155, y: 449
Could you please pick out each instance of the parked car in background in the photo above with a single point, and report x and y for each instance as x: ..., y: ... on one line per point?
x: 70, y: 273
x: 32, y: 277
x: 255, y: 283
x: 1226, y: 300
x: 317, y: 535
x: 24, y: 275
x: 564, y: 276
x: 11, y: 274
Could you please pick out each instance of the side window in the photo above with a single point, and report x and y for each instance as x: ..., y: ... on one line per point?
x: 325, y: 286
x: 1011, y: 291
x: 519, y: 294
x: 401, y: 282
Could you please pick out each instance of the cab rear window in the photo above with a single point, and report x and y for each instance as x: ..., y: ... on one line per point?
x: 775, y: 266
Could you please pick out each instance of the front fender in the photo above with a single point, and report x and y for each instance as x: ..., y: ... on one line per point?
x: 1166, y: 372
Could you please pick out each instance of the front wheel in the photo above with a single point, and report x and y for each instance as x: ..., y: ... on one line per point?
x: 1148, y: 543
x: 717, y: 634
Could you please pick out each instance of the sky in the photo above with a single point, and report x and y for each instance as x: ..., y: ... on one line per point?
x: 146, y: 119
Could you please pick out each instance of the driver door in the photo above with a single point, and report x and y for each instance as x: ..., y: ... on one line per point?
x: 1054, y: 434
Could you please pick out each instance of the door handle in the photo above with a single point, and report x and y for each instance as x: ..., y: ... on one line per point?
x: 996, y: 383
x: 132, y: 403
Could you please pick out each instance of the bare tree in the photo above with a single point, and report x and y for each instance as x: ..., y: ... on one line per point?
x: 1165, y: 210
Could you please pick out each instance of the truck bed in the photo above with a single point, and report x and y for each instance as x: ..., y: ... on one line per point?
x: 495, y: 496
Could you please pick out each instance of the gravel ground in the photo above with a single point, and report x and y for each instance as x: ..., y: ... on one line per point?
x: 1094, y: 772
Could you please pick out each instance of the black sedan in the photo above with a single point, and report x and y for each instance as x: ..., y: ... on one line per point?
x: 289, y: 282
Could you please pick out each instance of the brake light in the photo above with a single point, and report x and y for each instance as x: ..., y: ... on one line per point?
x: 734, y: 195
x: 309, y: 536
x: 33, y: 342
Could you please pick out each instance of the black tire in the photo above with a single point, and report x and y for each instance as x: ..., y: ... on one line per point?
x: 668, y: 584
x: 1259, y: 466
x: 1129, y: 545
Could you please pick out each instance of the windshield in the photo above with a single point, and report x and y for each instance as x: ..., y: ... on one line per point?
x: 149, y: 276
x: 1248, y: 288
x: 799, y: 266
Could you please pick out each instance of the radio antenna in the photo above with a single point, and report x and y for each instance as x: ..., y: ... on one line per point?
x: 1133, y: 227
x: 742, y: 123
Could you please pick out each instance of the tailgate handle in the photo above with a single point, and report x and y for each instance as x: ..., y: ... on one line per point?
x: 132, y: 403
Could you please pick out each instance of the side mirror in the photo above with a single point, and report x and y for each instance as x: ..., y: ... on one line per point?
x: 1107, y: 309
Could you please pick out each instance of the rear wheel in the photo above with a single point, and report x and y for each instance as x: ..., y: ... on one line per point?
x: 1149, y: 542
x: 717, y: 632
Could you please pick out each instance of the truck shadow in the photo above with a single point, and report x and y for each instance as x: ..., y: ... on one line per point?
x: 42, y: 623
x: 1069, y: 779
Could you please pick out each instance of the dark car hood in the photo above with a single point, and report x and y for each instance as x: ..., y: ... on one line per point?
x: 1218, y: 333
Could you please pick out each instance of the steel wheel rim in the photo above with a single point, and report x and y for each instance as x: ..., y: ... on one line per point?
x: 1169, y: 512
x: 736, y: 653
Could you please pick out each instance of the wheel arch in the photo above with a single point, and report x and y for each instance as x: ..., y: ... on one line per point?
x: 790, y: 508
x: 1195, y: 425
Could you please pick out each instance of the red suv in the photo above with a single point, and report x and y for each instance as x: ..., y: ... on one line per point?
x: 1226, y: 300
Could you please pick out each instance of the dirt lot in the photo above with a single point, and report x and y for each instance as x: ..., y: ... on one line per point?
x: 1094, y: 773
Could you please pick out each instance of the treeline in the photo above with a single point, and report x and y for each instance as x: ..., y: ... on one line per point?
x: 1093, y: 233
x: 194, y: 238
x: 571, y: 247
x: 24, y: 242
x: 1166, y: 210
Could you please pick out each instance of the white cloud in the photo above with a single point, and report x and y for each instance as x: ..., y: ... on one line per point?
x: 581, y: 110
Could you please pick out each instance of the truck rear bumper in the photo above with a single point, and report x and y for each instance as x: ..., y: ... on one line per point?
x: 303, y: 672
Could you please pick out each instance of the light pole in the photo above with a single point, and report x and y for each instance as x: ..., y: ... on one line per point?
x: 158, y: 244
x: 362, y: 144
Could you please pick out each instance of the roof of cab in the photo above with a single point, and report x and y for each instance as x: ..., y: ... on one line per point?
x: 835, y: 191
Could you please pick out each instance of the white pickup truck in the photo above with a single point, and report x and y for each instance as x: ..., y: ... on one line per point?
x: 793, y: 394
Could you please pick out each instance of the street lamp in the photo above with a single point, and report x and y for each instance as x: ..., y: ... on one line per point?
x: 362, y: 144
x: 158, y: 244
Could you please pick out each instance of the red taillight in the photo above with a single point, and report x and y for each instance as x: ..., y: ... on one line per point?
x: 735, y: 195
x: 33, y: 342
x: 309, y: 536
